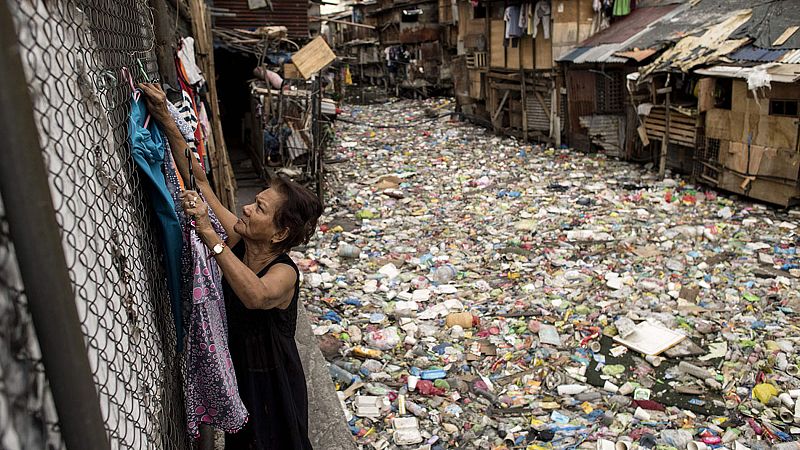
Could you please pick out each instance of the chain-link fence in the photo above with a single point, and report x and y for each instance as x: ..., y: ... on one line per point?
x: 74, y: 54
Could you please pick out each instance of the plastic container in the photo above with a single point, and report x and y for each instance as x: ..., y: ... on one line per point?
x: 342, y: 376
x: 444, y: 274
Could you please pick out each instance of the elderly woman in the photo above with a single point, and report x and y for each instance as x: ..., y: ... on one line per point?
x: 261, y: 285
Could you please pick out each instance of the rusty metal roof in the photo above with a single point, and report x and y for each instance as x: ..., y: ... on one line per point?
x: 604, y: 47
x: 292, y: 14
x: 631, y: 24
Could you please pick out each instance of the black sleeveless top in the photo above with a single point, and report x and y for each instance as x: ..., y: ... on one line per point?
x: 271, y: 381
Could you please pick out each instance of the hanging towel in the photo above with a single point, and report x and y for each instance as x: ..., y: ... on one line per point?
x: 148, y: 149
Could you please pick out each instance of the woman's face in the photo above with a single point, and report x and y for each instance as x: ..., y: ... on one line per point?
x: 257, y: 220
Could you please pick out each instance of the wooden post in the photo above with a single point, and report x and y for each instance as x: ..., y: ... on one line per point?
x: 524, y: 98
x: 165, y: 45
x: 500, y: 108
x: 223, y: 176
x: 662, y: 163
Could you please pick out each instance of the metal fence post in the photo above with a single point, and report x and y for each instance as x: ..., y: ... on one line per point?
x: 35, y: 233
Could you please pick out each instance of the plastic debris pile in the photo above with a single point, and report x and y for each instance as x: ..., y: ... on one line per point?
x: 472, y: 291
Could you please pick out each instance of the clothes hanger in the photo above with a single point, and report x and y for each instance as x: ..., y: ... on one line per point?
x: 126, y: 75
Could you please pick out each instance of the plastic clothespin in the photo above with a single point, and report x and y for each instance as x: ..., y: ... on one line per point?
x: 141, y: 69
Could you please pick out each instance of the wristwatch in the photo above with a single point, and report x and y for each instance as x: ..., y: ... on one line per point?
x: 217, y: 249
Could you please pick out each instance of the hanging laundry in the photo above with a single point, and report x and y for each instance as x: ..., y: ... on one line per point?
x: 186, y: 130
x: 186, y: 108
x: 529, y: 18
x: 348, y: 77
x: 186, y: 56
x: 511, y: 17
x: 205, y: 128
x: 622, y: 7
x: 148, y: 148
x: 524, y: 16
x: 210, y: 387
x: 597, y: 6
x: 541, y: 13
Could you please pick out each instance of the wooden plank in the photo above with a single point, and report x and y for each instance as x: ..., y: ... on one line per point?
x: 544, y: 52
x: 526, y: 52
x: 507, y: 86
x: 497, y: 52
x: 504, y: 76
x: 673, y: 125
x: 313, y: 57
x: 543, y: 103
x: 224, y: 181
x: 660, y: 129
x: 500, y: 107
x: 524, y: 109
x: 512, y: 55
x: 290, y: 71
x: 343, y: 22
x: 785, y: 36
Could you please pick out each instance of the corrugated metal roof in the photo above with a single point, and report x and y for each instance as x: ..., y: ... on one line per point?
x: 292, y: 14
x: 781, y: 73
x: 574, y: 54
x: 770, y: 20
x: 689, y: 19
x: 603, y: 47
x: 631, y: 24
x: 791, y: 57
x: 753, y: 53
x: 603, y: 53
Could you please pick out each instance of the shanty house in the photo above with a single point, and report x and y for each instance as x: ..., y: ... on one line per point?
x: 600, y: 112
x: 506, y: 73
x: 410, y: 37
x: 731, y: 90
x: 749, y: 103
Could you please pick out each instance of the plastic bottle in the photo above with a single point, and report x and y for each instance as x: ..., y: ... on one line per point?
x: 349, y: 366
x: 433, y: 374
x: 416, y: 409
x: 377, y: 389
x: 342, y: 376
x: 348, y: 251
x: 444, y: 273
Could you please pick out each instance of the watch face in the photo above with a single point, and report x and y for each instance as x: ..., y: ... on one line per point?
x: 218, y: 249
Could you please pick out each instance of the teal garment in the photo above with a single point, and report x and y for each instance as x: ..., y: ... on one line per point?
x: 622, y: 7
x: 148, y: 147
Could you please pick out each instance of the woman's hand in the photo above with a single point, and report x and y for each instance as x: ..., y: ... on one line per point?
x: 156, y: 101
x: 195, y: 207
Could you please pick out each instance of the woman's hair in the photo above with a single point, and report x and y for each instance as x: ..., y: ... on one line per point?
x: 298, y: 212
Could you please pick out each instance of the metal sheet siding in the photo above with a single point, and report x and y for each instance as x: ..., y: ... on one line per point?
x: 293, y: 14
x: 627, y: 27
x: 753, y: 53
x: 537, y: 116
